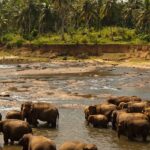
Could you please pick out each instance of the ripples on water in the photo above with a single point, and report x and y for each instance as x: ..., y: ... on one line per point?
x: 72, y: 126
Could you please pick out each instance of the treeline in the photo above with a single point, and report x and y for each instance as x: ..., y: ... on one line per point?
x: 37, y: 17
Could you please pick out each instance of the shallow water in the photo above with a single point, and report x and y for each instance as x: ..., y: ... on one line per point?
x: 71, y: 92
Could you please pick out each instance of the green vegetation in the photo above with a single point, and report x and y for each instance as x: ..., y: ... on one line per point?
x: 74, y: 22
x: 120, y: 36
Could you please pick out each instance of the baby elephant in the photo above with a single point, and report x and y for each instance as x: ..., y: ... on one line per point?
x: 14, y: 114
x: 14, y: 129
x: 30, y: 142
x: 98, y: 121
x: 76, y: 145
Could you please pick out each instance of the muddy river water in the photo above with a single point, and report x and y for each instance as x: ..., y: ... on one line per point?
x: 71, y: 92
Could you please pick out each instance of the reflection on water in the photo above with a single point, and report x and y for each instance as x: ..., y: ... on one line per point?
x: 71, y: 93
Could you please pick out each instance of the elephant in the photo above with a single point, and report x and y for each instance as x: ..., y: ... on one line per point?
x: 14, y: 129
x: 77, y: 145
x: 104, y: 109
x: 87, y: 112
x: 122, y: 105
x: 117, y: 100
x: 120, y: 116
x: 42, y: 111
x: 136, y: 107
x: 14, y: 114
x: 147, y: 112
x: 135, y: 128
x: 32, y: 142
x: 98, y: 121
x: 114, y: 116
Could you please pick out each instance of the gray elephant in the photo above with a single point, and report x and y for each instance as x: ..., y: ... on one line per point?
x: 117, y: 100
x: 122, y: 105
x: 114, y: 117
x: 98, y: 120
x: 147, y: 112
x: 77, y: 145
x: 14, y: 114
x: 137, y: 107
x: 121, y: 116
x: 31, y: 142
x: 14, y: 129
x: 135, y: 128
x: 42, y: 111
x: 104, y: 109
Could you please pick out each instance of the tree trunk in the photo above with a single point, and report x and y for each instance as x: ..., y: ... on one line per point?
x: 62, y: 26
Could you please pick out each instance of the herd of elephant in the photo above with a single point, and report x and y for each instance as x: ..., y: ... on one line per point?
x: 128, y: 115
x: 16, y: 127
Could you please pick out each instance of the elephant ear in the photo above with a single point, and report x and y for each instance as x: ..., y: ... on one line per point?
x: 92, y: 110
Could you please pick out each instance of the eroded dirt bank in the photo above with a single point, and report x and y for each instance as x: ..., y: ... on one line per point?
x: 73, y: 50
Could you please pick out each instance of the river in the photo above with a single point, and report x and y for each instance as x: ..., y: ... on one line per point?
x: 71, y: 92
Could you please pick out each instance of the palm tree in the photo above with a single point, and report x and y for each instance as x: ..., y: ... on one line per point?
x: 46, y: 18
x: 89, y: 13
x: 131, y: 11
x: 27, y: 19
x: 111, y: 15
x: 143, y: 23
x: 3, y: 24
x: 62, y: 7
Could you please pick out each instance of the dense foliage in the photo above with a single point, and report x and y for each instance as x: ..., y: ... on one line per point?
x: 32, y: 18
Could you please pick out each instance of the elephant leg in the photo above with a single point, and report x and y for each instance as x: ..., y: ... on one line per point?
x: 114, y: 125
x: 35, y: 123
x: 130, y: 136
x: 105, y: 126
x: 12, y: 142
x: 5, y: 139
x: 25, y: 148
x: 144, y: 135
x: 53, y: 124
x: 144, y: 138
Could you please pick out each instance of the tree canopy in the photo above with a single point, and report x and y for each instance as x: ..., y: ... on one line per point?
x: 59, y: 16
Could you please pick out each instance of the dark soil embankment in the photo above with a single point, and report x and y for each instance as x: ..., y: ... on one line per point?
x: 74, y: 50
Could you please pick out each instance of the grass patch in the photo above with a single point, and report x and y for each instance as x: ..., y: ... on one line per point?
x: 107, y: 35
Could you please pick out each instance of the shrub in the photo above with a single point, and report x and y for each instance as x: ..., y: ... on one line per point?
x: 9, y: 45
x: 145, y: 37
x: 7, y: 38
x: 19, y: 43
x: 84, y: 41
x: 34, y: 33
